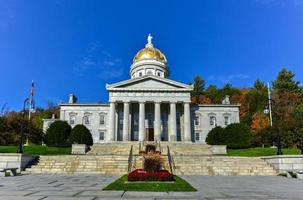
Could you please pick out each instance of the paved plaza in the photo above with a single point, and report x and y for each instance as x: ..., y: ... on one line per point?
x: 89, y: 187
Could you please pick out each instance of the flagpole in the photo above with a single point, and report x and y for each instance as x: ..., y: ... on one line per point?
x: 30, y: 109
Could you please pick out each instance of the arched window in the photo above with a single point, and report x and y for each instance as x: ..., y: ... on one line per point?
x: 72, y: 118
x: 226, y: 118
x: 197, y: 120
x: 102, y: 119
x: 86, y: 119
x: 212, y: 120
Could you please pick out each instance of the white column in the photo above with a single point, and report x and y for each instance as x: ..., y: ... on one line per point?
x: 157, y: 122
x: 112, y: 122
x: 173, y: 122
x: 126, y: 121
x: 141, y: 121
x: 187, y: 123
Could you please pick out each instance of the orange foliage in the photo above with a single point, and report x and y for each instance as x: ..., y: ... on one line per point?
x: 202, y: 100
x: 259, y: 121
x: 241, y: 99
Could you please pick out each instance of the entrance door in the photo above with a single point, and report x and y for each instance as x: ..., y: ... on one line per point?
x: 150, y: 134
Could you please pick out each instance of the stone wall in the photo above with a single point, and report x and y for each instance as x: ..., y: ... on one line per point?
x: 285, y: 163
x: 16, y: 160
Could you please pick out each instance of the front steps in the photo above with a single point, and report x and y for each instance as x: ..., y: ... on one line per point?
x: 116, y: 148
x: 74, y: 164
x: 189, y: 159
x: 222, y: 166
x: 185, y: 165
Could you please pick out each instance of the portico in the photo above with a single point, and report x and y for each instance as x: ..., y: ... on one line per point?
x: 149, y: 124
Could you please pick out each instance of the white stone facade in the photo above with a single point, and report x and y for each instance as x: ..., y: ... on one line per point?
x: 149, y: 106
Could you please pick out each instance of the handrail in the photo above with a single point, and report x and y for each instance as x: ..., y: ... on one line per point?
x: 130, y: 159
x: 170, y: 160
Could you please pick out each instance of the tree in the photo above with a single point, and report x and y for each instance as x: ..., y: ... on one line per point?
x: 256, y: 97
x: 237, y: 136
x: 215, y: 136
x: 241, y: 98
x: 58, y: 134
x: 198, y: 90
x: 285, y: 82
x: 259, y: 122
x: 81, y: 135
x: 212, y: 93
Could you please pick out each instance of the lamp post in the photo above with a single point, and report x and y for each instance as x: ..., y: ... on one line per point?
x: 268, y: 110
x: 30, y: 102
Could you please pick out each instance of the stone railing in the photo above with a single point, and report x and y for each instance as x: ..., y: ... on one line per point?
x: 285, y: 163
x: 16, y: 160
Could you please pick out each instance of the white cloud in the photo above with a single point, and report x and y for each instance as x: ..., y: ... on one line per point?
x: 106, y: 65
x: 227, y: 78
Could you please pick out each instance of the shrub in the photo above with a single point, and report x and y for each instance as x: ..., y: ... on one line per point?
x: 215, y: 136
x: 152, y: 162
x: 81, y: 135
x: 237, y: 136
x: 57, y: 134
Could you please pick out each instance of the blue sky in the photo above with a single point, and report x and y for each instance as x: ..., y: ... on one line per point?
x: 79, y: 46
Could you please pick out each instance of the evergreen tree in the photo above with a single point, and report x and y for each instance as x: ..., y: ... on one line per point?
x: 285, y: 82
x: 198, y: 90
x: 257, y: 97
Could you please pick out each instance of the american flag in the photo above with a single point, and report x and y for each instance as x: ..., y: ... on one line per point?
x: 32, y: 89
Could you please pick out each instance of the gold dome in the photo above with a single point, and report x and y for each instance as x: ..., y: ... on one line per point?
x: 150, y: 53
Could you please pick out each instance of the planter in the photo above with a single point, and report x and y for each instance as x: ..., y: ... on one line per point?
x: 142, y: 175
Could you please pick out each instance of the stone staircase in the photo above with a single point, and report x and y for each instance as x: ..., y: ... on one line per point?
x: 222, y: 165
x: 189, y: 159
x: 105, y: 164
x: 117, y: 148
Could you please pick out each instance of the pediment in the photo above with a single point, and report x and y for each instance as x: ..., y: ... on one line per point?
x: 149, y: 83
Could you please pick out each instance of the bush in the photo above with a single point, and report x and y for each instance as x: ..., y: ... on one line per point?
x: 215, y: 136
x: 57, y: 134
x: 237, y: 136
x: 152, y: 162
x: 81, y: 135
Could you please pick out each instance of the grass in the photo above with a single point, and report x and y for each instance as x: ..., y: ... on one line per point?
x: 259, y: 151
x: 179, y: 185
x: 37, y: 150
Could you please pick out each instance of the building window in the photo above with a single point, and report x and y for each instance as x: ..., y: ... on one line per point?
x: 159, y: 74
x: 149, y: 119
x: 140, y: 73
x: 212, y: 120
x: 72, y: 119
x: 86, y: 119
x: 149, y: 73
x: 197, y: 137
x: 226, y: 120
x: 102, y: 119
x: 196, y: 120
x: 101, y: 135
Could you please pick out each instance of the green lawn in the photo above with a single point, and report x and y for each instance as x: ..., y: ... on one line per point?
x: 178, y: 185
x: 258, y: 151
x: 37, y: 150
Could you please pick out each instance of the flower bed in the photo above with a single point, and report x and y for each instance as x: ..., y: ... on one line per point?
x: 142, y: 175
